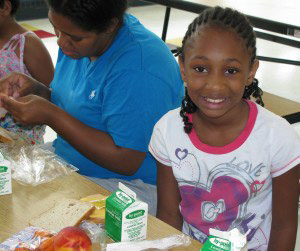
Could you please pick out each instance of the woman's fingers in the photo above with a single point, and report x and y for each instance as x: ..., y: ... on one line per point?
x: 10, y: 104
x: 28, y: 110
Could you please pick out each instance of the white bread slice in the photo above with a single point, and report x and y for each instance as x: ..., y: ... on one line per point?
x: 68, y: 212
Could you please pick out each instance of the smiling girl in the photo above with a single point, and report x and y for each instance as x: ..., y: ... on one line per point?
x: 232, y: 164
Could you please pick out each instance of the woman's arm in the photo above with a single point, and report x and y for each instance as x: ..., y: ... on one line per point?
x: 37, y: 60
x: 284, y: 211
x: 168, y: 197
x: 98, y: 146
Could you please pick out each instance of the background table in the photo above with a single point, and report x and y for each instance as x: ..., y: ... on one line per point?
x: 26, y: 202
x: 261, y: 15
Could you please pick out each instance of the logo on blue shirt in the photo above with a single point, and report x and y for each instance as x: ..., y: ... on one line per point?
x: 93, y: 94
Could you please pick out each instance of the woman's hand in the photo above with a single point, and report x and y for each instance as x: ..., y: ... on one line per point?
x: 29, y: 110
x: 19, y: 85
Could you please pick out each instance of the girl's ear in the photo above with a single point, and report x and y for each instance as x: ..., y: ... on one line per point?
x: 6, y: 10
x: 181, y: 65
x: 252, y: 72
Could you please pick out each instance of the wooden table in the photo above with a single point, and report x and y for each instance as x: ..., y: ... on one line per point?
x: 281, y: 106
x: 27, y: 202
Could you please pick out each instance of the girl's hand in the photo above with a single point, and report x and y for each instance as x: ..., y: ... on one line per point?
x: 18, y: 85
x: 29, y: 110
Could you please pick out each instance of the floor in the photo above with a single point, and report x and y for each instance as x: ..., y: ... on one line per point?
x: 279, y: 79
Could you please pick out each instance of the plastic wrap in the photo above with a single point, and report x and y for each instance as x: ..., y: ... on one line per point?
x: 32, y: 165
x: 97, y: 234
x: 28, y: 239
x: 158, y: 244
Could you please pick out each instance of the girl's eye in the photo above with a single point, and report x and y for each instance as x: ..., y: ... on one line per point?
x: 200, y: 69
x: 231, y: 71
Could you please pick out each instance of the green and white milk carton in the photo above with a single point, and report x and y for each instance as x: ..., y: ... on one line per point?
x: 231, y: 240
x: 214, y: 243
x: 125, y: 216
x: 5, y: 176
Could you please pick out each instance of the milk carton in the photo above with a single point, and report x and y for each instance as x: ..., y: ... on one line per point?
x: 5, y: 176
x: 231, y: 240
x: 125, y: 216
x: 217, y: 244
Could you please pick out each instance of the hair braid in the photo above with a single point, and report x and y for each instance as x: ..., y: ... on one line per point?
x: 187, y: 106
x: 229, y: 19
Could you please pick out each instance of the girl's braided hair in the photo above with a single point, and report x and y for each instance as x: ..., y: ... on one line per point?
x: 90, y: 15
x: 230, y: 19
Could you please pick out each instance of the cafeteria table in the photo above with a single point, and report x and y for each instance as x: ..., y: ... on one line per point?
x: 26, y: 202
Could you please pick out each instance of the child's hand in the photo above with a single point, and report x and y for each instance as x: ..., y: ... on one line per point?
x: 29, y: 110
x: 18, y: 85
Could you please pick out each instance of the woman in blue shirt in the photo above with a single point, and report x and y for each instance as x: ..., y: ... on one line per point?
x: 113, y: 80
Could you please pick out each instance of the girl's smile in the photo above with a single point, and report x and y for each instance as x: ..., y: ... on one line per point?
x: 212, y: 103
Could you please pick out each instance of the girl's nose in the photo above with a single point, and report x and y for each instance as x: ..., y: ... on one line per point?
x: 215, y: 81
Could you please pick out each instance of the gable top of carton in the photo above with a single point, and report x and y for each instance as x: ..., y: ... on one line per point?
x: 127, y: 190
x: 122, y: 198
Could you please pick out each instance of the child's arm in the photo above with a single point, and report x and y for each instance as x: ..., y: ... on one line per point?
x: 37, y: 60
x: 284, y: 211
x: 168, y: 197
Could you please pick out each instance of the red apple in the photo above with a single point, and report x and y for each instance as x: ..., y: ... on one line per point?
x: 72, y: 239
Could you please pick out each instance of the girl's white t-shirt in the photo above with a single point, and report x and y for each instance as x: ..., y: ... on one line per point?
x: 228, y: 187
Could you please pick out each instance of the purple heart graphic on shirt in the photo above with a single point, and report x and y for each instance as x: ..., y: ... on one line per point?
x: 199, y: 206
x: 181, y: 154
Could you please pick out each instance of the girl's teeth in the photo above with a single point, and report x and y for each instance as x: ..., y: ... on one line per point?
x: 215, y: 100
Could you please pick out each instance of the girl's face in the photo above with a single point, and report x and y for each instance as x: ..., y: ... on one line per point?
x: 216, y: 69
x: 76, y: 42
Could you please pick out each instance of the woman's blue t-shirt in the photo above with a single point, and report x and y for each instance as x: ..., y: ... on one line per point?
x: 124, y: 93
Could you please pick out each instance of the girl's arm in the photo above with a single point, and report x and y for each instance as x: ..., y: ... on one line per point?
x: 284, y: 211
x: 168, y: 197
x: 37, y: 60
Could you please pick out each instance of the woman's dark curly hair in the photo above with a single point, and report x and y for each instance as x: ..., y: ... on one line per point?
x: 90, y: 15
x: 14, y: 6
x: 229, y: 19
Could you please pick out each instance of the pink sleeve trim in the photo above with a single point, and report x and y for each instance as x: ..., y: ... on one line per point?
x: 288, y: 164
x: 158, y: 157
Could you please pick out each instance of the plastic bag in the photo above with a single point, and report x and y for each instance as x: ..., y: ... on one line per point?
x: 97, y: 234
x: 32, y: 165
x: 159, y: 244
x: 28, y: 239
